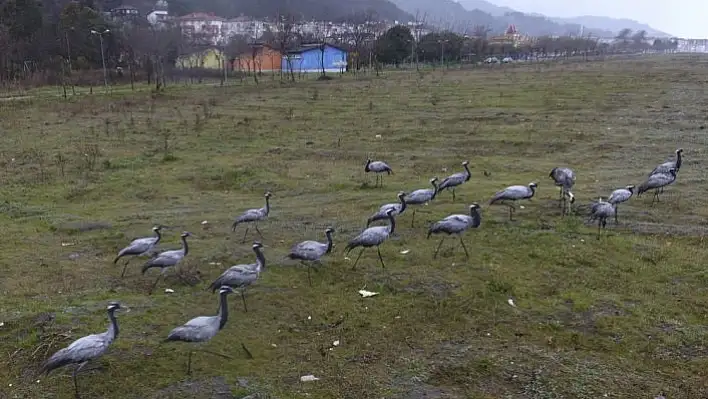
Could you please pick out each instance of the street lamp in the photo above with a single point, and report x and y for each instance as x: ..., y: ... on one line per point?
x: 442, y: 51
x: 103, y: 58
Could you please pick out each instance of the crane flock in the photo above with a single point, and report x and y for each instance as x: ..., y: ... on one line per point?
x: 240, y: 277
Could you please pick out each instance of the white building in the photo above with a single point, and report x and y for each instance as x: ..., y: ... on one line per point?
x: 207, y: 25
x: 159, y: 14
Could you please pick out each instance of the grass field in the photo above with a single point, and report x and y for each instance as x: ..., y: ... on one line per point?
x: 619, y: 317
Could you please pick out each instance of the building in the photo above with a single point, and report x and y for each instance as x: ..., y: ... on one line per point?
x: 207, y: 59
x: 261, y: 58
x: 203, y: 24
x: 159, y: 14
x: 308, y: 58
x: 125, y: 11
x: 510, y: 38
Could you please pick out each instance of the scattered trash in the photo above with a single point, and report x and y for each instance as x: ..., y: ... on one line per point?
x: 67, y: 244
x: 347, y: 258
x: 367, y: 294
x: 274, y: 345
x: 444, y: 169
x: 215, y: 263
x: 335, y: 343
x: 397, y: 317
x: 169, y: 291
x: 309, y: 317
x: 405, y: 251
x: 378, y: 136
x: 205, y: 222
x: 582, y: 240
x: 522, y: 207
x: 511, y: 302
x: 306, y: 378
x: 2, y: 323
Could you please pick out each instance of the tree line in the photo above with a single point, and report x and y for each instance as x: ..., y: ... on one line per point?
x: 70, y: 45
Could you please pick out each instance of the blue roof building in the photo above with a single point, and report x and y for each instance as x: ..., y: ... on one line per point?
x: 308, y: 58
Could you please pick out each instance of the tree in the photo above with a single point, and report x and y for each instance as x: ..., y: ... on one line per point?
x: 285, y: 39
x: 394, y: 45
x: 481, y: 31
x: 361, y: 36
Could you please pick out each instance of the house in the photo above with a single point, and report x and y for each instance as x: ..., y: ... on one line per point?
x: 207, y: 59
x: 159, y: 15
x: 260, y: 58
x: 511, y: 37
x: 308, y: 58
x: 125, y: 11
x: 205, y: 24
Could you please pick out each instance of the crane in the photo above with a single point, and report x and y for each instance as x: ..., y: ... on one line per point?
x: 456, y: 224
x: 455, y: 180
x: 253, y: 216
x: 619, y: 196
x: 85, y: 349
x: 513, y: 194
x: 311, y: 251
x: 165, y: 260
x: 398, y: 208
x: 242, y: 276
x: 372, y: 237
x: 422, y: 196
x: 139, y: 247
x: 563, y: 178
x: 378, y: 167
x: 657, y: 181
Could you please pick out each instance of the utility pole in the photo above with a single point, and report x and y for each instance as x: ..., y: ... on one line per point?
x: 103, y: 57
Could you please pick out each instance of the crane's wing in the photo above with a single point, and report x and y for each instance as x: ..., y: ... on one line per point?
x: 201, y: 329
x: 308, y: 250
x: 452, y: 179
x: 167, y: 258
x: 236, y: 276
x: 249, y: 215
x: 663, y: 168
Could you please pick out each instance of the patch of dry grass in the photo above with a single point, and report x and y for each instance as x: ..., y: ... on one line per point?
x: 613, y: 317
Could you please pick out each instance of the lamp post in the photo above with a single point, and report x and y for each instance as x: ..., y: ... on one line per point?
x: 442, y: 51
x: 103, y: 58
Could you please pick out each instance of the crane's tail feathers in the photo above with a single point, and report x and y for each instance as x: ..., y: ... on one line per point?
x: 146, y: 267
x: 116, y: 260
x: 53, y: 363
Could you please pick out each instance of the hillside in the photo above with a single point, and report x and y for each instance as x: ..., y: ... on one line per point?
x: 448, y: 13
x: 594, y: 23
x: 612, y: 24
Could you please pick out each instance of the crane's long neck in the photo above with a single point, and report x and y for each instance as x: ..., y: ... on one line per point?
x: 185, y: 247
x: 476, y: 218
x: 403, y: 203
x: 435, y: 190
x: 260, y: 259
x: 366, y: 168
x: 113, y: 327
x: 223, y: 310
x: 468, y: 174
x: 392, y: 226
x: 533, y: 191
x: 267, y: 207
x: 678, y: 160
x: 329, y: 242
x: 158, y: 235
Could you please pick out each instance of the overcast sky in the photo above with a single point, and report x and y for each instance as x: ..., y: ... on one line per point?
x: 683, y: 18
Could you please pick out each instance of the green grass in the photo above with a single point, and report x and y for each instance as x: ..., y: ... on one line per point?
x: 622, y: 316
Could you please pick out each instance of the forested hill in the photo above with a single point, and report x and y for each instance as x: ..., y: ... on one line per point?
x: 305, y: 9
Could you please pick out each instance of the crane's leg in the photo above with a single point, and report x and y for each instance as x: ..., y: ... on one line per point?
x: 560, y: 199
x: 435, y: 255
x: 258, y: 231
x: 383, y: 266
x: 189, y: 363
x: 73, y: 375
x: 309, y: 277
x: 243, y: 299
x: 453, y: 194
x: 248, y: 353
x: 357, y: 258
x: 244, y: 235
x: 159, y: 276
x: 511, y: 212
x: 217, y: 354
x: 616, y: 207
x: 124, y: 267
x: 599, y: 223
x: 413, y: 219
x: 465, y: 248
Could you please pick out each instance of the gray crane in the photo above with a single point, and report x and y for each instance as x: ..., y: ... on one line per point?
x: 165, y: 260
x: 203, y: 328
x: 242, y: 276
x: 666, y: 166
x: 253, y: 216
x: 398, y: 208
x: 657, y: 182
x: 568, y: 200
x: 139, y: 247
x: 377, y: 167
x: 311, y: 251
x: 600, y: 211
x: 563, y: 178
x: 455, y: 180
x: 372, y: 237
x: 456, y: 224
x: 85, y: 349
x: 619, y: 196
x: 513, y: 194
x: 422, y: 196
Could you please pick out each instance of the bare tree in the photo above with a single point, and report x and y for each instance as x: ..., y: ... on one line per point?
x: 285, y: 39
x: 360, y: 36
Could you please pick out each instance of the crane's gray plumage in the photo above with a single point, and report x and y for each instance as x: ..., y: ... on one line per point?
x: 311, y: 251
x: 165, y: 260
x: 514, y: 193
x: 85, y: 349
x: 139, y: 247
x: 204, y: 328
x: 456, y: 224
x: 569, y: 200
x: 242, y: 276
x: 666, y: 166
x: 373, y: 236
x: 422, y: 196
x: 377, y: 167
x: 619, y: 196
x: 455, y: 180
x: 398, y: 208
x: 253, y: 216
x: 563, y: 178
x: 656, y: 182
x: 600, y: 211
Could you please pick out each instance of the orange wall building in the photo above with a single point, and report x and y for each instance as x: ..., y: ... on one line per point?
x: 260, y: 58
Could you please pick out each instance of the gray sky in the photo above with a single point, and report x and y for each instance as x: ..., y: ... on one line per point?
x: 683, y: 18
